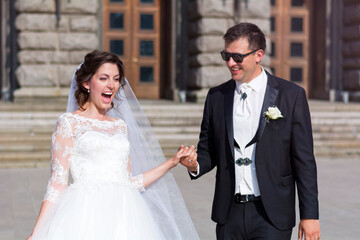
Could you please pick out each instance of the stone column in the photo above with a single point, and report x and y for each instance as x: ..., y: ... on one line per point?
x: 49, y: 52
x: 351, y: 47
x: 208, y: 22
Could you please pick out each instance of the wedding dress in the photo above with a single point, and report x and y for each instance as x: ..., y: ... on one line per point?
x: 104, y: 200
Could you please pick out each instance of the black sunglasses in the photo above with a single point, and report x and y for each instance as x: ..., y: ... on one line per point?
x: 237, y: 57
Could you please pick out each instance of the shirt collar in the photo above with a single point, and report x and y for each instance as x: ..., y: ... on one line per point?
x: 256, y: 84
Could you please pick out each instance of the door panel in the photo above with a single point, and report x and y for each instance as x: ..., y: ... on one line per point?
x: 289, y: 37
x: 132, y: 31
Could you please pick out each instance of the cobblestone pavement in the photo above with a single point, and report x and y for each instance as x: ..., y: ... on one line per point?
x: 21, y: 192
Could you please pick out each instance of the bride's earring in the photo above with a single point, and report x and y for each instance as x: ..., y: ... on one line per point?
x: 88, y: 90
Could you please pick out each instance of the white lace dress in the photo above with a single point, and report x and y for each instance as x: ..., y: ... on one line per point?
x: 104, y: 200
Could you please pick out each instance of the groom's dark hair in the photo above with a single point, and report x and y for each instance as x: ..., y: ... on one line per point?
x: 92, y: 62
x: 254, y: 35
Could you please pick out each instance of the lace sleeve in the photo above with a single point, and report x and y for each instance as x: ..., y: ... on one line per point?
x: 61, y: 145
x: 137, y: 181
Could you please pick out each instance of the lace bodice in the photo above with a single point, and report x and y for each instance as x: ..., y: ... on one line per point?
x: 95, y: 152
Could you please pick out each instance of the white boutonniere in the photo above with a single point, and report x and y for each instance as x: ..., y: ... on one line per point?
x: 273, y: 113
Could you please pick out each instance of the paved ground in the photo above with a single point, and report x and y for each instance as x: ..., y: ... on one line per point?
x: 21, y: 191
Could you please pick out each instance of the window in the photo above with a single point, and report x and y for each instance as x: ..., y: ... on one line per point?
x: 296, y: 49
x: 116, y: 20
x: 272, y: 54
x: 272, y: 24
x: 146, y: 74
x: 296, y: 74
x: 146, y: 21
x: 117, y: 47
x: 146, y: 48
x: 297, y: 3
x: 296, y: 24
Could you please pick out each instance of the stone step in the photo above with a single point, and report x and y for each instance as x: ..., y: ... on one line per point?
x: 319, y: 136
x: 20, y: 147
x: 337, y: 153
x: 22, y: 132
x: 319, y: 132
x: 336, y: 122
x: 155, y: 121
x: 348, y: 144
x: 31, y: 159
x: 334, y: 115
x: 26, y: 128
x: 23, y: 115
x: 59, y: 104
x: 25, y: 156
x: 25, y: 131
x: 325, y: 106
x: 335, y: 129
x: 13, y: 139
x: 187, y: 111
x: 32, y: 106
x: 37, y: 143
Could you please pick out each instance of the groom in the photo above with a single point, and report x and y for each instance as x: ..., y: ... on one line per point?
x: 256, y: 131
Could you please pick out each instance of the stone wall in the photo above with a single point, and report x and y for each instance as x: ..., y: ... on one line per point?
x: 48, y: 53
x: 351, y: 45
x: 208, y: 21
x: 258, y: 12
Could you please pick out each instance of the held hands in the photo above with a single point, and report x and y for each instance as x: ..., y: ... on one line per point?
x: 190, y: 162
x: 310, y: 229
x: 181, y: 154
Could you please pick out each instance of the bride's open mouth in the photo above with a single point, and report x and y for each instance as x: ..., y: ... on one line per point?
x: 106, y: 96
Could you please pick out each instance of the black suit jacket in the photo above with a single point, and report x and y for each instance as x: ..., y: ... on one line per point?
x: 284, y: 152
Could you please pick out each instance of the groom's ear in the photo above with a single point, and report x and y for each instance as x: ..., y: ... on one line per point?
x: 259, y: 55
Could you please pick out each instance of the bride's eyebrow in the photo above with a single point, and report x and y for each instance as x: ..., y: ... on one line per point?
x: 117, y: 75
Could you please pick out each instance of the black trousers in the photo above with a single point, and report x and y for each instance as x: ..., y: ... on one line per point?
x: 249, y: 221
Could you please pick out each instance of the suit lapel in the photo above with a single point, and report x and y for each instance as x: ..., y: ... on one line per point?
x: 271, y: 94
x: 228, y: 108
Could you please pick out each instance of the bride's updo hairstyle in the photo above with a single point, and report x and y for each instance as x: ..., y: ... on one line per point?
x: 92, y: 62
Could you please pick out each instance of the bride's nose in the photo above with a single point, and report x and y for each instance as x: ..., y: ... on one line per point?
x: 110, y: 84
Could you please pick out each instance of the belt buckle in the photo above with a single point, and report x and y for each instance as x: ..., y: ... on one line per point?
x: 246, y: 199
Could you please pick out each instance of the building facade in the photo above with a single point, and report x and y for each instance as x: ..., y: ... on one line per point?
x: 171, y: 48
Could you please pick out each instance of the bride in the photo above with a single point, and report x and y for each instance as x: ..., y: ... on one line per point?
x: 121, y: 186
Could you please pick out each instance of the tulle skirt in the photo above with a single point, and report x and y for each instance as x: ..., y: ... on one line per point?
x: 91, y: 212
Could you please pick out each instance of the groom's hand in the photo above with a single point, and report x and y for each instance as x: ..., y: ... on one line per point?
x: 190, y: 162
x: 310, y: 229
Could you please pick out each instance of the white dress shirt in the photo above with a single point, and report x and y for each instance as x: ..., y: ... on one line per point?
x: 245, y: 176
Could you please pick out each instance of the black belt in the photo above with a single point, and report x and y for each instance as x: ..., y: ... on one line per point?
x: 238, y: 198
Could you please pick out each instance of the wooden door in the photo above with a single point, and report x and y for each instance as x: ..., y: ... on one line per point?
x: 132, y: 31
x: 290, y: 50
